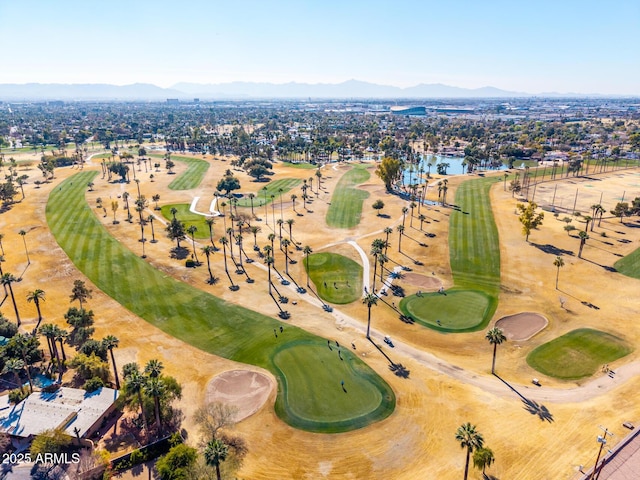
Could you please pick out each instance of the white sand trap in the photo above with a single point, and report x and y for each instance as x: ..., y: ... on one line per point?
x: 522, y: 326
x: 244, y: 389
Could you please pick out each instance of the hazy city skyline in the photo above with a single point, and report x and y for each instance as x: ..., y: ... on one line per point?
x: 569, y: 47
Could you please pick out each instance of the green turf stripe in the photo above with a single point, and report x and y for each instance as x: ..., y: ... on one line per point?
x: 346, y: 202
x: 192, y: 176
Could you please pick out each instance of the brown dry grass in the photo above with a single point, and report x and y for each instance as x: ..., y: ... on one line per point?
x: 419, y: 436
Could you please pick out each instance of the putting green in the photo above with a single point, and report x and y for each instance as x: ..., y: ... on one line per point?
x: 457, y: 310
x: 204, y: 321
x: 308, y: 396
x: 338, y: 279
x: 577, y: 354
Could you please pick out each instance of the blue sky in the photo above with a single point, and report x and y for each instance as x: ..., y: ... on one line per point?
x: 531, y: 46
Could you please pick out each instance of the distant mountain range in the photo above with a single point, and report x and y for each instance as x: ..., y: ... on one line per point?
x: 351, y: 89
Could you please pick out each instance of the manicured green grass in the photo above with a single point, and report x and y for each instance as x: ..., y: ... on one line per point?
x: 320, y: 398
x: 457, y: 311
x: 192, y: 177
x: 304, y: 165
x: 327, y: 268
x: 474, y: 253
x: 189, y: 218
x: 577, y: 354
x: 209, y: 323
x: 629, y: 265
x: 473, y: 238
x: 271, y: 188
x: 346, y: 202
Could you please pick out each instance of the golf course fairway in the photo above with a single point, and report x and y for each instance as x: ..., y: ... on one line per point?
x: 221, y: 328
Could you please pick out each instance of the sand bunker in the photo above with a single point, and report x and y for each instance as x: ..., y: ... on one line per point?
x: 522, y: 326
x: 244, y: 389
x: 422, y: 281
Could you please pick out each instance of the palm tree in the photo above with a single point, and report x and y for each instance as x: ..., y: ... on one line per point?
x: 382, y: 259
x: 251, y: 197
x: 404, y: 214
x: 215, y: 453
x: 61, y: 335
x: 422, y: 218
x: 482, y: 458
x: 290, y: 223
x: 154, y: 387
x: 208, y: 250
x: 400, y: 232
x: 285, y: 245
x: 294, y: 197
x: 49, y: 331
x: 110, y: 342
x: 495, y: 336
x: 280, y: 222
x: 192, y: 231
x: 150, y: 219
x: 559, y: 263
x: 23, y: 234
x: 15, y: 366
x: 599, y: 211
x: 36, y: 297
x: 268, y: 259
x: 1, y: 246
x: 369, y: 299
x: 224, y: 241
x: 584, y: 236
x: 210, y: 222
x: 470, y: 439
x: 387, y: 231
x: 255, y: 229
x: 125, y: 197
x: 135, y: 382
x: 307, y: 251
x: 412, y: 206
x: 7, y: 279
x: 153, y: 368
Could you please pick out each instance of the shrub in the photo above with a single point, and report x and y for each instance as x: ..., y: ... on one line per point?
x: 7, y: 329
x: 16, y: 396
x: 93, y: 384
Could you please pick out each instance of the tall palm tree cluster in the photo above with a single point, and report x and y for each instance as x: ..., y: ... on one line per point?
x: 151, y: 392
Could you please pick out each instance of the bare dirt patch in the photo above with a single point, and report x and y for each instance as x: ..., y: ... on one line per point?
x: 244, y: 389
x: 522, y: 326
x: 422, y: 281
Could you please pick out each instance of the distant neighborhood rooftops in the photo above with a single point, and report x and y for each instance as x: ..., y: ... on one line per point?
x: 66, y: 409
x: 400, y: 110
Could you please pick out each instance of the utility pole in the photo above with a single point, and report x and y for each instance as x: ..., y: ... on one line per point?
x: 602, y: 440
